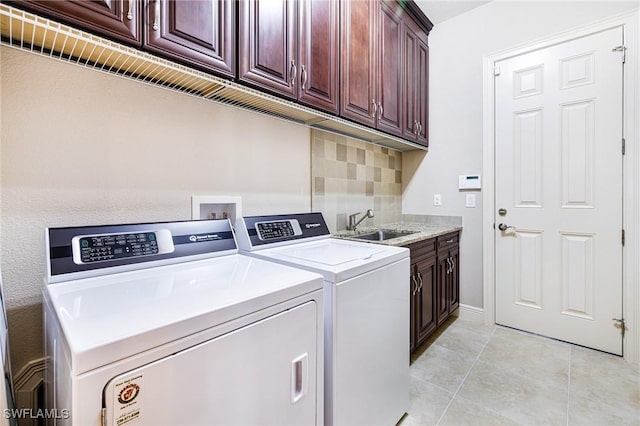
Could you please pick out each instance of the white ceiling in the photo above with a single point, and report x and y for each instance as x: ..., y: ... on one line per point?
x: 441, y: 10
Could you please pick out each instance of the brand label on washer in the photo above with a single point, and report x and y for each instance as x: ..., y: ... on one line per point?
x: 127, y: 400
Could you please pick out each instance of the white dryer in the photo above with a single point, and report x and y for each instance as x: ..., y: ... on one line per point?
x: 366, y: 312
x: 165, y: 324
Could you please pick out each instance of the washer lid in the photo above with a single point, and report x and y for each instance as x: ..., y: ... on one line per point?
x: 108, y: 318
x: 337, y: 260
x: 331, y: 254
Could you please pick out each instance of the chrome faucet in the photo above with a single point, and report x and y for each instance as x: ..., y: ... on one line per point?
x: 352, y: 219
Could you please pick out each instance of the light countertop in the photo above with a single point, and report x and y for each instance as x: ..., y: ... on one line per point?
x: 420, y: 232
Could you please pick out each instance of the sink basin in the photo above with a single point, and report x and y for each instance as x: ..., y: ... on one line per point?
x: 382, y: 235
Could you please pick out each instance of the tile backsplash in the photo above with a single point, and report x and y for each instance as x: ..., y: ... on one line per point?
x: 350, y: 176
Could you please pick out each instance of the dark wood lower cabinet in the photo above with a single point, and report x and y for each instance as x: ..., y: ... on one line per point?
x: 434, y: 285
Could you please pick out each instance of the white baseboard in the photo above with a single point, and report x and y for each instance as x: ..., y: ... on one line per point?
x: 471, y: 313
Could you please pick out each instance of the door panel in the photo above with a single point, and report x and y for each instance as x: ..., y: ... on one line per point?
x: 267, y: 45
x: 319, y: 30
x: 198, y: 32
x: 559, y: 176
x: 390, y: 71
x: 261, y: 374
x: 426, y: 299
x: 357, y: 73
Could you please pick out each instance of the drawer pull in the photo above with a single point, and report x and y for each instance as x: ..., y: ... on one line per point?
x: 450, y: 241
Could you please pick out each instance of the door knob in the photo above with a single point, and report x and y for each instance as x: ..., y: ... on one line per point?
x: 504, y: 227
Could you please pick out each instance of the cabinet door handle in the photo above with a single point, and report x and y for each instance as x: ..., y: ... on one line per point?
x: 448, y: 263
x: 419, y: 128
x: 156, y: 18
x: 130, y: 11
x: 415, y: 285
x: 294, y: 72
x: 375, y: 107
x: 453, y: 264
x: 303, y: 73
x: 415, y: 128
x: 380, y: 111
x: 420, y: 279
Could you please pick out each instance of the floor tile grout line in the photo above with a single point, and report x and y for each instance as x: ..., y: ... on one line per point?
x: 464, y: 379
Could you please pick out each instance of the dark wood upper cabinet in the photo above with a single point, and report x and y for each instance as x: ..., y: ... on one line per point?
x: 291, y: 48
x: 318, y: 55
x: 196, y: 32
x: 268, y: 45
x: 390, y: 69
x: 364, y: 60
x: 372, y: 65
x: 415, y: 121
x: 358, y: 70
x: 120, y: 20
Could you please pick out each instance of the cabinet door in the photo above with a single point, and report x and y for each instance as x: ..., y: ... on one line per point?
x: 198, y: 32
x: 116, y: 19
x: 454, y: 285
x: 410, y: 95
x: 267, y: 45
x: 318, y: 59
x: 425, y: 318
x: 422, y: 89
x: 357, y: 69
x: 415, y: 122
x: 390, y: 69
x: 413, y: 306
x: 442, y: 296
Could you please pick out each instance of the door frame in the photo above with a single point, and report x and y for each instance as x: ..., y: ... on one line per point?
x: 630, y: 22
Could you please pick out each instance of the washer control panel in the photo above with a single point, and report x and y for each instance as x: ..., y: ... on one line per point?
x: 254, y: 232
x: 106, y: 247
x: 278, y: 229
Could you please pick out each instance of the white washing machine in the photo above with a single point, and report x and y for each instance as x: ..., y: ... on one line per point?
x: 165, y: 324
x: 366, y: 312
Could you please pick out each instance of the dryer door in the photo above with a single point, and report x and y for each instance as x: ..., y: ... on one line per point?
x: 262, y: 374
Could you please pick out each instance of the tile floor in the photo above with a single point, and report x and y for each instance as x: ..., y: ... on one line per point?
x: 471, y: 374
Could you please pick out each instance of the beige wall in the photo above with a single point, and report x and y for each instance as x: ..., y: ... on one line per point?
x: 81, y: 147
x: 457, y: 47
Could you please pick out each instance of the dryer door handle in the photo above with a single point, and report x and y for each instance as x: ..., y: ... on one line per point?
x: 299, y: 377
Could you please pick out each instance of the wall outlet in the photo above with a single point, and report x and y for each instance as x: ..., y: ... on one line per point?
x: 437, y: 199
x: 471, y: 200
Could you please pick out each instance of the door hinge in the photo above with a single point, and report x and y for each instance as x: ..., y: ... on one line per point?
x: 623, y: 237
x: 496, y: 69
x: 623, y: 326
x: 624, y: 146
x: 103, y: 416
x: 622, y: 49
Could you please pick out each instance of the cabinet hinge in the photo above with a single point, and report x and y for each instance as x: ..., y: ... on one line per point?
x: 623, y: 325
x: 496, y: 69
x: 103, y: 416
x: 622, y: 49
x: 623, y: 237
x: 624, y: 146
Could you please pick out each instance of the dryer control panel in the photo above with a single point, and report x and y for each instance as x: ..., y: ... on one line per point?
x: 87, y: 251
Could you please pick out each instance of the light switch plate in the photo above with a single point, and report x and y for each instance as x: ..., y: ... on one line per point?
x: 471, y: 200
x: 437, y: 199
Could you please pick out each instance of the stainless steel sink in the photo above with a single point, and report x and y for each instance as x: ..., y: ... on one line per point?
x: 382, y: 235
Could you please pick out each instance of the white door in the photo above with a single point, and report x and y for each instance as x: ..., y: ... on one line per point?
x: 263, y: 374
x: 558, y: 186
